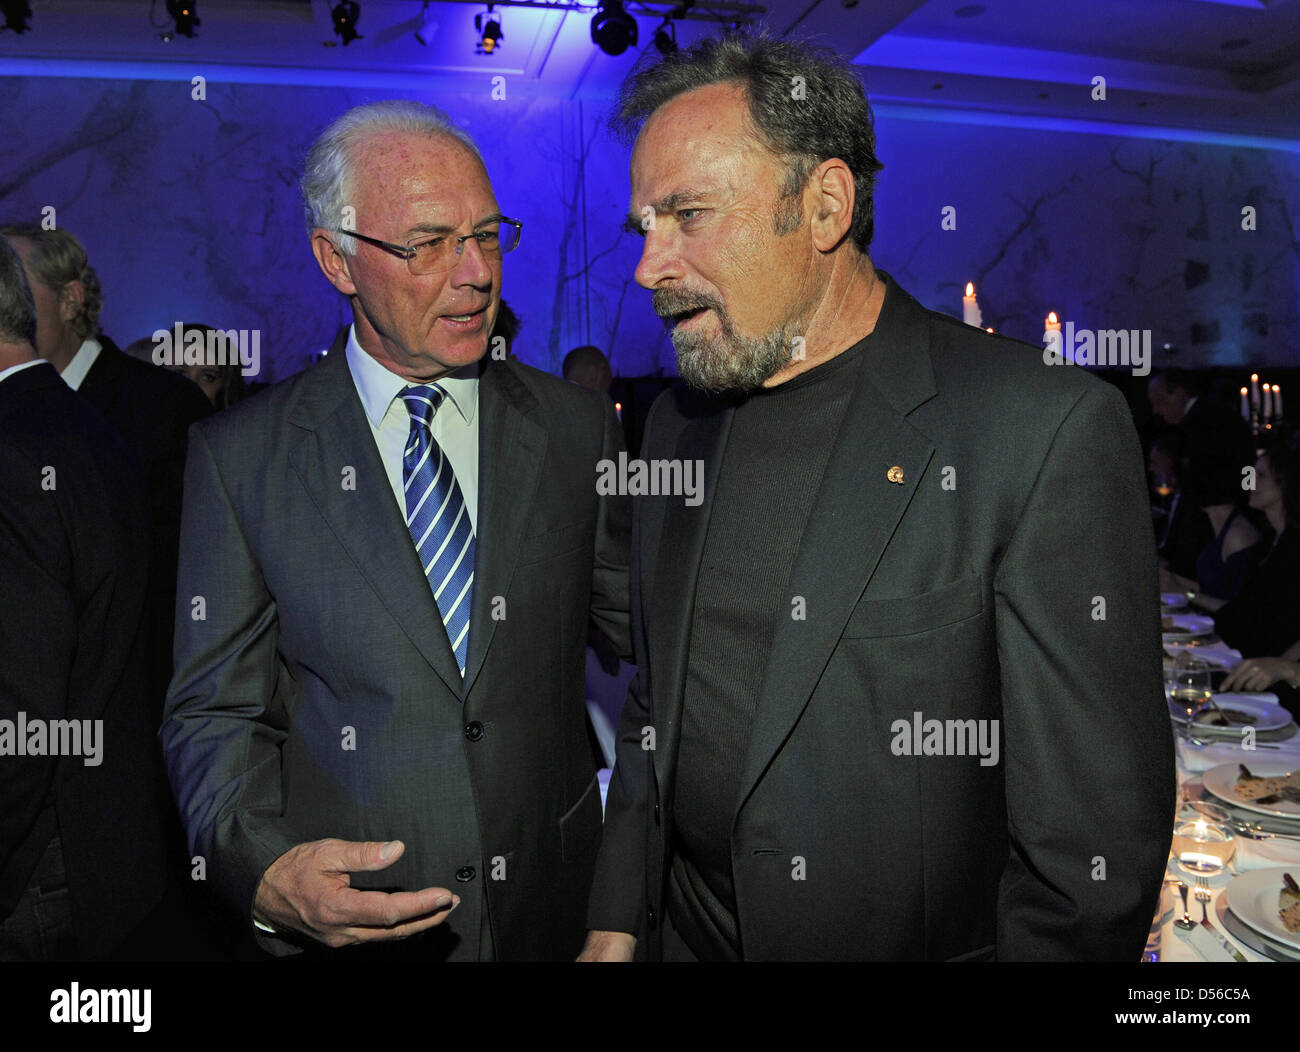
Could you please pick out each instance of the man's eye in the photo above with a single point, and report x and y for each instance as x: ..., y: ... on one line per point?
x: 685, y: 215
x: 428, y: 245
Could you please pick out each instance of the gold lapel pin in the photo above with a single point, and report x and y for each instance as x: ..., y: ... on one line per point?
x: 895, y: 474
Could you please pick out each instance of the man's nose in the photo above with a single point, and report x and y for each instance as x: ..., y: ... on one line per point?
x: 659, y: 260
x: 471, y: 266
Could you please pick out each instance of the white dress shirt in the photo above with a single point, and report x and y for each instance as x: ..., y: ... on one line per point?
x: 6, y: 373
x: 81, y: 363
x: 455, y: 424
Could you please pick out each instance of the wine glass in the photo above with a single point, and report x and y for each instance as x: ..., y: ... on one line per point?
x: 1189, y: 688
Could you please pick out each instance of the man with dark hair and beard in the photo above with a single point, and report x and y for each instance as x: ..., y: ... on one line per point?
x: 911, y: 627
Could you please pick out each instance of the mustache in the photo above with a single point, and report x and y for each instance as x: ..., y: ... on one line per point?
x: 671, y: 302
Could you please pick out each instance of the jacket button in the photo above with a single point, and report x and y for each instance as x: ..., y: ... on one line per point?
x: 650, y: 916
x: 465, y: 874
x: 474, y: 731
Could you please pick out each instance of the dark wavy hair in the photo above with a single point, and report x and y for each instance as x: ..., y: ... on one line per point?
x: 1283, y: 452
x: 807, y: 103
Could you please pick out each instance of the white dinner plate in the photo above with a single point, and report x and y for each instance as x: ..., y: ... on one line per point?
x: 1188, y: 627
x: 1268, y: 715
x: 1220, y: 780
x: 1253, y: 899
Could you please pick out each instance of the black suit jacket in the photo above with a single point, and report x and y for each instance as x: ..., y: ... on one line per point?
x: 973, y: 598
x: 73, y: 586
x: 152, y: 409
x: 318, y: 695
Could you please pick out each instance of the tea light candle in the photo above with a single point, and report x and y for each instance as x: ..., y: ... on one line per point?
x: 1202, y: 847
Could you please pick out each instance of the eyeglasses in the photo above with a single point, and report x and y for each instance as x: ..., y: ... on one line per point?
x: 437, y: 254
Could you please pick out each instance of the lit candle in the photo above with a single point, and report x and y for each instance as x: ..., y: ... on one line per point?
x: 1254, y: 392
x: 989, y: 329
x: 1245, y: 406
x: 1277, y: 400
x: 970, y: 308
x: 618, y: 408
x: 1052, y: 326
x: 1268, y: 403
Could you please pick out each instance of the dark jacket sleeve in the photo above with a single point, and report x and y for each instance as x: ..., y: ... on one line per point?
x: 618, y: 890
x: 1088, y: 749
x: 225, y: 718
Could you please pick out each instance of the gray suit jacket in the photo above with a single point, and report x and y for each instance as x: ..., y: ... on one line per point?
x: 966, y: 590
x: 316, y: 694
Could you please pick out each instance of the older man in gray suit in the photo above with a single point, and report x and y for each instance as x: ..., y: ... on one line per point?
x: 376, y: 728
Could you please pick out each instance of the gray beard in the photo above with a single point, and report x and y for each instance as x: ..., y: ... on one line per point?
x: 732, y: 363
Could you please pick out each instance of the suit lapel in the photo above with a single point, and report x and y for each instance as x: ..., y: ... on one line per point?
x: 365, y: 521
x: 512, y: 449
x: 853, y: 518
x: 677, y: 565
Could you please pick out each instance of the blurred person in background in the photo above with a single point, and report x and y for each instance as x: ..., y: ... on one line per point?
x: 588, y: 367
x: 1263, y: 619
x: 150, y: 408
x: 81, y: 841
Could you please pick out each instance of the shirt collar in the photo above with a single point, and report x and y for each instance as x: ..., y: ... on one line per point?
x: 6, y: 373
x: 81, y: 362
x: 378, y: 385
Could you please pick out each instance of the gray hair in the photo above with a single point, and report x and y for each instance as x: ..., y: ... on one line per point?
x: 807, y: 104
x: 59, y: 260
x: 17, y: 307
x: 329, y: 172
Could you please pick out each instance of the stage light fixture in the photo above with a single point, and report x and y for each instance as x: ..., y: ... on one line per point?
x: 666, y: 38
x: 613, y: 30
x: 428, y: 26
x: 184, y: 15
x: 489, y: 29
x: 345, y: 17
x: 16, y: 13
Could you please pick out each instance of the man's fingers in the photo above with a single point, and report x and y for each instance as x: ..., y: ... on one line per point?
x: 380, y: 909
x: 364, y: 856
x: 400, y: 931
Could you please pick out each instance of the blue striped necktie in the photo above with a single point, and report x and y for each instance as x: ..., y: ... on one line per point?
x: 438, y: 519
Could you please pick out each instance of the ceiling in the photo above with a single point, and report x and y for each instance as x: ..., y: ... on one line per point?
x: 1208, y: 70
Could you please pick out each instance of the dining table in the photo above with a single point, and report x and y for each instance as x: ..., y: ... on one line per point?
x: 1260, y: 858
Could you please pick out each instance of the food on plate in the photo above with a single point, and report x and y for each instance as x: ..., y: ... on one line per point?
x: 1251, y: 787
x: 1289, y: 904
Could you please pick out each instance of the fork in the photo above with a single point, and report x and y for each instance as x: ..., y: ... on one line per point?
x: 1202, y: 894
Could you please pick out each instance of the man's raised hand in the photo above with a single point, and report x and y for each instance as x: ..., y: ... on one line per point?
x: 308, y: 889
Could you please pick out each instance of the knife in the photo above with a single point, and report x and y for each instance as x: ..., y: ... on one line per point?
x: 1197, y: 938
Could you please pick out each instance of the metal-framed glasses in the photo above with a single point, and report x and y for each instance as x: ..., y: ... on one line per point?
x: 437, y: 253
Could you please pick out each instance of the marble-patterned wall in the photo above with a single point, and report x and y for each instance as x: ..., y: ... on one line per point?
x: 189, y: 210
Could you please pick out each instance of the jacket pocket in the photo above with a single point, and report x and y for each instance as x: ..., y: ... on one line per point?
x: 957, y: 601
x: 555, y: 542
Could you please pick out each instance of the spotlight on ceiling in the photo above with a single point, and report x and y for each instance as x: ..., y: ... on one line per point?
x: 613, y: 30
x: 489, y: 32
x: 666, y: 38
x: 428, y: 26
x: 16, y: 13
x: 184, y: 15
x: 345, y: 17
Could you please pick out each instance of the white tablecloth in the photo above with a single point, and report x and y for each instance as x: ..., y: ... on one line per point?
x: 1251, y: 854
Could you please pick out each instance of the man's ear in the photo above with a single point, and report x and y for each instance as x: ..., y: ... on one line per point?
x: 833, y: 196
x: 71, y: 297
x: 333, y: 263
